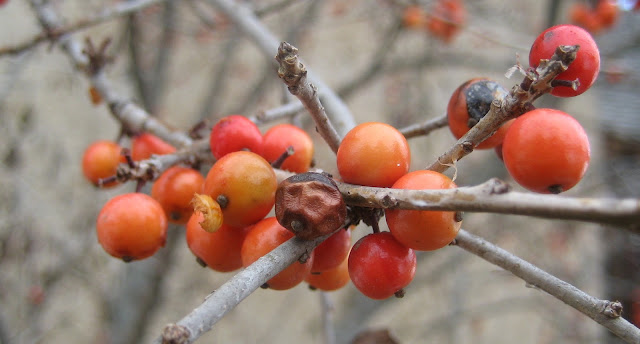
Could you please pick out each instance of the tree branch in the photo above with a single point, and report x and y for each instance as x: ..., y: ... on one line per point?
x: 421, y: 129
x: 118, y: 10
x: 494, y: 196
x: 606, y: 313
x: 247, y: 22
x: 294, y: 75
x: 245, y: 282
x: 517, y: 102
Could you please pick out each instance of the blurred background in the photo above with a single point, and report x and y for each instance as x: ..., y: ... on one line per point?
x: 184, y: 61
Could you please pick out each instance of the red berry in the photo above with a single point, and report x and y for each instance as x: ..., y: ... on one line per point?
x: 546, y: 151
x: 469, y: 103
x: 446, y: 19
x: 585, y: 67
x: 220, y: 250
x: 145, y: 145
x: 131, y: 226
x: 423, y: 230
x: 234, y: 133
x: 373, y: 154
x: 279, y: 138
x: 380, y: 266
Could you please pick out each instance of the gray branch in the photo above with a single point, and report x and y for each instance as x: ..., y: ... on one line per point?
x: 605, y: 313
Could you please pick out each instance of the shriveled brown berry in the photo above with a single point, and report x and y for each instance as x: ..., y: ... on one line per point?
x: 310, y: 205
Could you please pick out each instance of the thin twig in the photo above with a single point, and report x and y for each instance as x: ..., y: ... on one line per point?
x: 245, y: 282
x: 424, y: 128
x: 247, y: 22
x: 494, y: 196
x: 294, y: 75
x: 120, y: 9
x: 517, y: 102
x: 282, y: 111
x: 606, y: 313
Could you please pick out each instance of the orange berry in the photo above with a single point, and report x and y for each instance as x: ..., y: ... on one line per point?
x: 220, y: 250
x: 373, y: 154
x: 546, y: 151
x: 423, y: 230
x: 174, y: 190
x: 100, y: 160
x: 132, y: 226
x: 247, y: 184
x: 332, y: 279
x: 262, y: 238
x: 413, y: 17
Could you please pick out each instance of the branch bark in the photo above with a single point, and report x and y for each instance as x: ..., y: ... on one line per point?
x: 120, y: 9
x: 294, y: 75
x: 494, y: 196
x: 231, y: 293
x: 606, y: 313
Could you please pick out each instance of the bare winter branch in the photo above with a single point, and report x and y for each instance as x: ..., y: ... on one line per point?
x: 421, y: 129
x: 494, y: 196
x: 243, y: 17
x: 120, y: 9
x: 294, y: 75
x: 604, y: 312
x: 230, y: 294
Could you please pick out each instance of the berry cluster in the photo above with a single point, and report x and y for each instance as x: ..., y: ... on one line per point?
x: 444, y: 20
x: 595, y: 19
x: 225, y: 213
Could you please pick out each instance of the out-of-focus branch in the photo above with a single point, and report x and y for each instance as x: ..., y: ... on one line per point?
x: 120, y: 9
x: 247, y: 22
x: 494, y: 196
x: 376, y: 65
x: 606, y: 313
x: 328, y: 331
x: 294, y: 75
x: 517, y: 102
x: 424, y: 128
x: 286, y: 110
x: 231, y: 293
x: 136, y: 118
